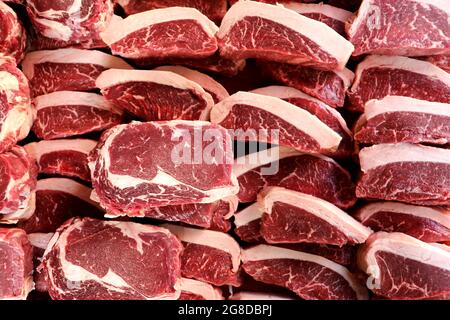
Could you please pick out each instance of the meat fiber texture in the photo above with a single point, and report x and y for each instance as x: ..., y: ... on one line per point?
x: 384, y: 257
x: 406, y: 28
x: 214, y: 10
x: 270, y: 119
x: 401, y: 119
x: 209, y: 256
x: 62, y: 157
x: 381, y: 76
x: 18, y: 184
x: 289, y: 37
x: 325, y: 113
x: 175, y: 32
x: 323, y: 279
x: 316, y: 175
x: 67, y: 69
x: 16, y: 264
x: 429, y: 224
x: 326, y: 85
x: 75, y: 269
x: 405, y: 172
x: 13, y: 38
x: 71, y: 22
x: 16, y: 112
x: 165, y: 174
x: 154, y: 95
x: 58, y: 200
x: 65, y: 114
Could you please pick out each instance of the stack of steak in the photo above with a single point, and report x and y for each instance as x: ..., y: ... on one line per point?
x: 240, y: 150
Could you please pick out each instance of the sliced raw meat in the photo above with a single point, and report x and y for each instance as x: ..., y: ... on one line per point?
x: 214, y: 10
x: 13, y: 38
x: 257, y: 296
x: 405, y: 28
x: 63, y: 157
x: 224, y: 210
x: 405, y: 172
x: 257, y: 117
x: 312, y: 174
x: 345, y: 255
x: 402, y: 267
x: 17, y: 188
x: 73, y: 22
x: 325, y: 113
x: 257, y: 30
x: 67, y: 69
x: 325, y: 85
x: 380, y: 76
x: 64, y: 114
x: 78, y: 270
x: 131, y: 181
x: 175, y: 32
x: 331, y: 16
x: 58, y: 200
x: 248, y: 223
x: 214, y: 63
x: 16, y: 264
x: 442, y: 61
x: 198, y: 290
x: 429, y: 224
x: 39, y: 242
x: 211, y: 86
x: 16, y: 112
x: 310, y: 276
x: 209, y: 256
x: 294, y: 217
x: 155, y: 95
x: 403, y: 119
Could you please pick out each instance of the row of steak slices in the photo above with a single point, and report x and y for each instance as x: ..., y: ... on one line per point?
x: 125, y: 183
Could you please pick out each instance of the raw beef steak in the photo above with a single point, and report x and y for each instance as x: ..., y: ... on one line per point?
x: 442, y: 61
x: 16, y: 264
x: 211, y: 86
x: 71, y: 22
x: 310, y: 276
x: 429, y: 224
x: 325, y: 113
x: 345, y: 255
x: 316, y: 175
x: 13, y: 38
x: 248, y: 223
x: 155, y: 95
x: 143, y: 176
x: 326, y: 85
x: 175, y: 32
x: 331, y: 16
x: 214, y: 10
x: 403, y: 119
x: 406, y: 28
x: 58, y: 200
x: 380, y: 76
x: 405, y: 172
x: 256, y: 117
x: 64, y: 114
x: 224, y: 210
x: 294, y: 217
x: 63, y: 157
x: 209, y: 256
x: 67, y: 69
x: 215, y: 64
x: 257, y: 30
x: 17, y: 185
x: 402, y: 267
x: 198, y: 290
x: 147, y: 265
x: 16, y: 112
x: 39, y: 242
